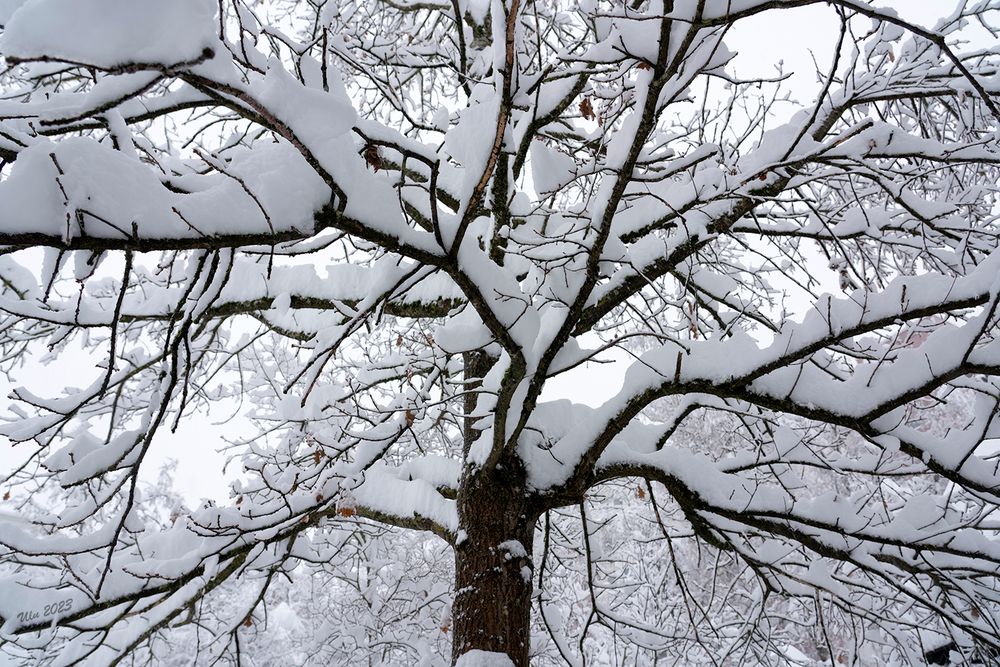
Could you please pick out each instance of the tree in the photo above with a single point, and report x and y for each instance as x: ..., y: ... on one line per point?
x: 379, y: 229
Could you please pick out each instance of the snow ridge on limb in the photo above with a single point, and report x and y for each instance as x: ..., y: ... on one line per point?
x: 110, y: 35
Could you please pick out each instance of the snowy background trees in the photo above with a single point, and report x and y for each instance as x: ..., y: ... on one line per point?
x: 371, y: 236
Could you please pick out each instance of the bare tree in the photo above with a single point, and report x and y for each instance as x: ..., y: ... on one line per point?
x: 379, y: 229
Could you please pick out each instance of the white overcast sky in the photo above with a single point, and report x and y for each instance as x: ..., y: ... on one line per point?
x: 761, y: 42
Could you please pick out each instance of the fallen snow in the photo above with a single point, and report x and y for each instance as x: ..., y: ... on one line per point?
x: 477, y: 658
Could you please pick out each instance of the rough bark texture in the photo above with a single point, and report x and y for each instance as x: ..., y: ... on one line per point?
x: 493, y: 567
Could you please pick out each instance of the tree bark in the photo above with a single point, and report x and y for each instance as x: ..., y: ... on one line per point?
x: 493, y: 565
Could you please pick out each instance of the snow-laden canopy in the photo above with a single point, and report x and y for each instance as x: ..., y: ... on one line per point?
x: 377, y: 230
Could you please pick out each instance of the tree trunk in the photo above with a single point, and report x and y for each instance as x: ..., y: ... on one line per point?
x: 493, y: 567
